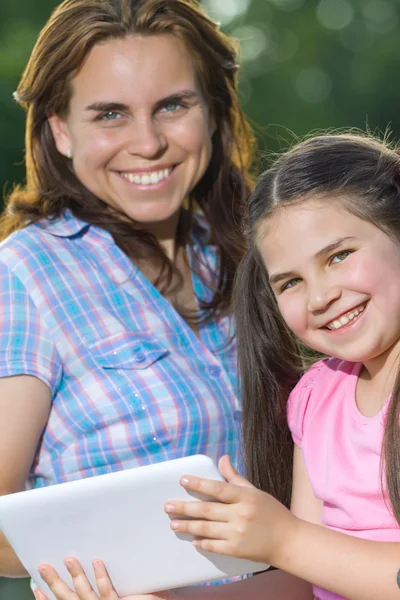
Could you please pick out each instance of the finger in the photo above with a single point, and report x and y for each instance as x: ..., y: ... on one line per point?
x: 203, y: 529
x: 103, y: 581
x: 39, y: 595
x: 80, y: 581
x: 215, y: 546
x: 229, y: 473
x: 211, y: 511
x: 57, y: 585
x: 220, y: 490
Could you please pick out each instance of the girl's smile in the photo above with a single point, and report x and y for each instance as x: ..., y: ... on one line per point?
x: 347, y: 319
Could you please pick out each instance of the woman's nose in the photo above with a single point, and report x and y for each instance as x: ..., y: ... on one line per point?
x: 146, y: 139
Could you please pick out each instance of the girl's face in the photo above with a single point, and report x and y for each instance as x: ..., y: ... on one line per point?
x: 138, y: 127
x: 336, y: 279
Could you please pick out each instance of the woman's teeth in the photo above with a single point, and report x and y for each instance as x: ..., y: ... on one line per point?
x: 345, y: 319
x: 148, y: 178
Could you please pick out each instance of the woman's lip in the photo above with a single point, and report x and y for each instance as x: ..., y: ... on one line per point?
x: 148, y: 170
x: 149, y: 187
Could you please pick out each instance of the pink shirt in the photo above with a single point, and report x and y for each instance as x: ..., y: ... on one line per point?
x: 342, y: 453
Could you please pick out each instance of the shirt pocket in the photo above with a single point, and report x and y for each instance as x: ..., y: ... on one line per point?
x: 115, y: 387
x: 127, y: 351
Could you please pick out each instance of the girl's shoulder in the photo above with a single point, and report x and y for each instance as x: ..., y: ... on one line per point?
x: 316, y: 387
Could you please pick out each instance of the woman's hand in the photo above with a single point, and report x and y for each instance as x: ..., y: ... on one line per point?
x: 82, y: 588
x: 244, y: 523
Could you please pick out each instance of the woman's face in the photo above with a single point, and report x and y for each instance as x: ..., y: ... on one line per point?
x: 138, y: 128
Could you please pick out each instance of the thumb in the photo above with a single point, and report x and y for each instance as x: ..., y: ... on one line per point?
x: 230, y: 474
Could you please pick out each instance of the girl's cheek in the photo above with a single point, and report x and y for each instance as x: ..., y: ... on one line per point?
x: 294, y: 314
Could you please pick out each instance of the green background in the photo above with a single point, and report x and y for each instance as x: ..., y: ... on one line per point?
x: 305, y: 65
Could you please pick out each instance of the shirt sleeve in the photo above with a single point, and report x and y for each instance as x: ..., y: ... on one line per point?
x: 299, y: 400
x: 26, y: 347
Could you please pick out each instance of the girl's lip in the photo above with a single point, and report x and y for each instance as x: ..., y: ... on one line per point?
x: 349, y: 325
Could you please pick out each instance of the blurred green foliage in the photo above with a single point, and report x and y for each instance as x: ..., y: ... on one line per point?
x: 305, y: 65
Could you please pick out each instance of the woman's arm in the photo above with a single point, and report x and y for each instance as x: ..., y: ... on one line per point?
x: 24, y: 408
x: 274, y: 585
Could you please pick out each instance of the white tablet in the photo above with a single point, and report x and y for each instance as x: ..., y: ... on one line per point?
x: 119, y: 518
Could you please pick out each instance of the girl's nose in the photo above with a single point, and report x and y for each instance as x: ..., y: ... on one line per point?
x: 321, y: 294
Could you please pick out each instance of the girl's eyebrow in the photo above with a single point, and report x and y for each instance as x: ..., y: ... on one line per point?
x: 118, y: 106
x: 334, y: 246
x: 276, y: 277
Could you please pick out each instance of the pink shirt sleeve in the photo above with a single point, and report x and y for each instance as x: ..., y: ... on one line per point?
x: 298, y: 402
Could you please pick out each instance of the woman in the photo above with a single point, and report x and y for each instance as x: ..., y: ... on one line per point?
x: 118, y: 256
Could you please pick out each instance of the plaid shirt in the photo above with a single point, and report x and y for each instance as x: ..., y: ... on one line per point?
x: 131, y: 382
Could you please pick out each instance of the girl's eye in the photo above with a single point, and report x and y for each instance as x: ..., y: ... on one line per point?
x: 290, y: 284
x: 340, y: 256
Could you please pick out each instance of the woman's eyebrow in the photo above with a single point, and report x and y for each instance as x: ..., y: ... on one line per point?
x: 107, y: 106
x: 118, y: 106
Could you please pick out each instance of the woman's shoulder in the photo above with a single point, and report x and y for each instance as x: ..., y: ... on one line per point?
x: 36, y: 238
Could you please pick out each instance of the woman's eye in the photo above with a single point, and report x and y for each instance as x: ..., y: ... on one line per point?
x: 290, y: 284
x: 109, y: 116
x: 171, y: 107
x: 340, y: 256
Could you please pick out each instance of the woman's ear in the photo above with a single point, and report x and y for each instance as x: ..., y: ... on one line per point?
x: 61, y: 134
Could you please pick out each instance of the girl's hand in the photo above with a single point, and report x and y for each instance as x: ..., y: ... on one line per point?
x: 82, y: 588
x: 244, y: 523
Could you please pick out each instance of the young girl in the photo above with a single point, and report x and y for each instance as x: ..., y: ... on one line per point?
x: 323, y: 268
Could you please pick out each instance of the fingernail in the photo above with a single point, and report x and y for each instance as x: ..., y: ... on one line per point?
x: 42, y: 571
x: 184, y: 481
x: 169, y: 508
x: 68, y: 563
x: 175, y: 524
x: 96, y: 565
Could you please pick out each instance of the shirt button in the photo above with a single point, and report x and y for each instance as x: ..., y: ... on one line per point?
x: 140, y: 357
x: 214, y: 371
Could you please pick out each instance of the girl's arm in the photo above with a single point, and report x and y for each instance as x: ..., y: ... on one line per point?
x: 250, y: 524
x: 24, y: 408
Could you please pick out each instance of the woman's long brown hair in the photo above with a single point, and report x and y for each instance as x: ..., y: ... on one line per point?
x: 51, y: 185
x: 364, y: 175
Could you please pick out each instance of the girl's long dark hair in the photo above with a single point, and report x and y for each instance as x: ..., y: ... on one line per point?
x: 364, y: 175
x: 52, y: 187
x: 267, y: 366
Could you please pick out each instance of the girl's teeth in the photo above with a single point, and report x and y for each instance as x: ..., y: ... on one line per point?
x: 147, y: 179
x: 337, y: 323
